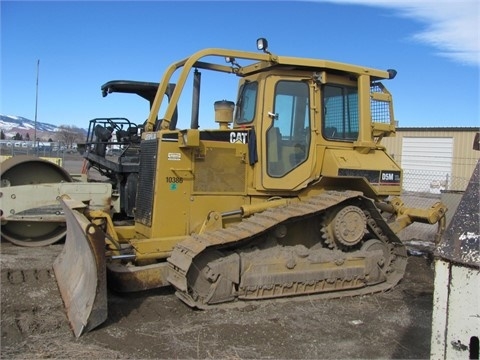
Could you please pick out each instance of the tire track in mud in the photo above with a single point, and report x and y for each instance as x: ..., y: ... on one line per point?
x: 30, y: 304
x: 33, y: 321
x: 15, y: 276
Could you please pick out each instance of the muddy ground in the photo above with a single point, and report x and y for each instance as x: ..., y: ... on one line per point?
x: 155, y: 324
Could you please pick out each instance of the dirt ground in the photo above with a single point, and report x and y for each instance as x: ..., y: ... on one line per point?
x: 155, y: 324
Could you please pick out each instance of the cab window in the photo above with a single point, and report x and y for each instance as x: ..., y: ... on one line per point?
x: 245, y: 109
x: 340, y: 109
x: 288, y: 138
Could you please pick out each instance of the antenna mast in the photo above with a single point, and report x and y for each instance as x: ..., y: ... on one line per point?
x: 36, y: 107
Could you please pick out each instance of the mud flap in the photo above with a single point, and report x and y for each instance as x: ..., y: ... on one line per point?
x: 80, y: 270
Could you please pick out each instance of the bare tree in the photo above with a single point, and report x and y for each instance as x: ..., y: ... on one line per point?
x: 69, y: 134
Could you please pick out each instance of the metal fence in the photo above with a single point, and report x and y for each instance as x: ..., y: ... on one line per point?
x: 422, y: 189
x: 433, y: 182
x: 43, y: 149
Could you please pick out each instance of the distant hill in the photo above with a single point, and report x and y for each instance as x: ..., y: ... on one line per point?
x: 11, y: 125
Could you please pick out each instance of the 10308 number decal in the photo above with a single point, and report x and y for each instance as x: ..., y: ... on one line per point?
x: 174, y: 180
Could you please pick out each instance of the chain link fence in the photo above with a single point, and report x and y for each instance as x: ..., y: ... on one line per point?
x: 422, y: 189
x: 433, y: 182
x: 54, y: 150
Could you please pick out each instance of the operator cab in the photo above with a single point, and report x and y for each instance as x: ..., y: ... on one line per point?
x: 299, y: 108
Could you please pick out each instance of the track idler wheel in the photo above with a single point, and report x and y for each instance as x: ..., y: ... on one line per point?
x: 375, y: 244
x: 213, y: 278
x: 347, y: 228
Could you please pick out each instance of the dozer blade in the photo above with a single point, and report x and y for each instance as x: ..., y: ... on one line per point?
x: 80, y: 270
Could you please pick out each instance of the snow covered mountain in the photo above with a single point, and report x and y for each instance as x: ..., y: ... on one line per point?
x: 11, y: 125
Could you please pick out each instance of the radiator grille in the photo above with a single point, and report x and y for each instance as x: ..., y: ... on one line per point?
x: 146, y: 182
x: 220, y: 171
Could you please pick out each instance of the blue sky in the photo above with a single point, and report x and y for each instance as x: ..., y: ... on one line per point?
x: 434, y: 46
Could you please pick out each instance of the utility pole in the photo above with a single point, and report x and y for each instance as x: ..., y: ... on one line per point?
x: 36, y: 107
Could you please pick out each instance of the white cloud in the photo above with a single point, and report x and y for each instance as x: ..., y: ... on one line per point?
x: 452, y: 27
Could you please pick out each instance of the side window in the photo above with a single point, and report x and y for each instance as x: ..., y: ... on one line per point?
x: 340, y: 109
x: 245, y: 109
x: 288, y: 139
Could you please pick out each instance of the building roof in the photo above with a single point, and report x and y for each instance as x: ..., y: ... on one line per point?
x: 453, y: 128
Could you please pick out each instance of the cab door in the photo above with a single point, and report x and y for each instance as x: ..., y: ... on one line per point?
x: 287, y: 150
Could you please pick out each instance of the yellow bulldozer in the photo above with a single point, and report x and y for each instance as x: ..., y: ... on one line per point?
x: 291, y: 194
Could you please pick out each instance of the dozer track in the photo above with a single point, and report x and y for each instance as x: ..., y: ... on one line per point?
x: 334, y: 244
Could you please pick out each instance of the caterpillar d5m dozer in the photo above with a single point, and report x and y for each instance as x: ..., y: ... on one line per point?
x: 292, y: 194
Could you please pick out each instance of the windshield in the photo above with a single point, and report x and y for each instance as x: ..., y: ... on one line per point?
x: 245, y: 112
